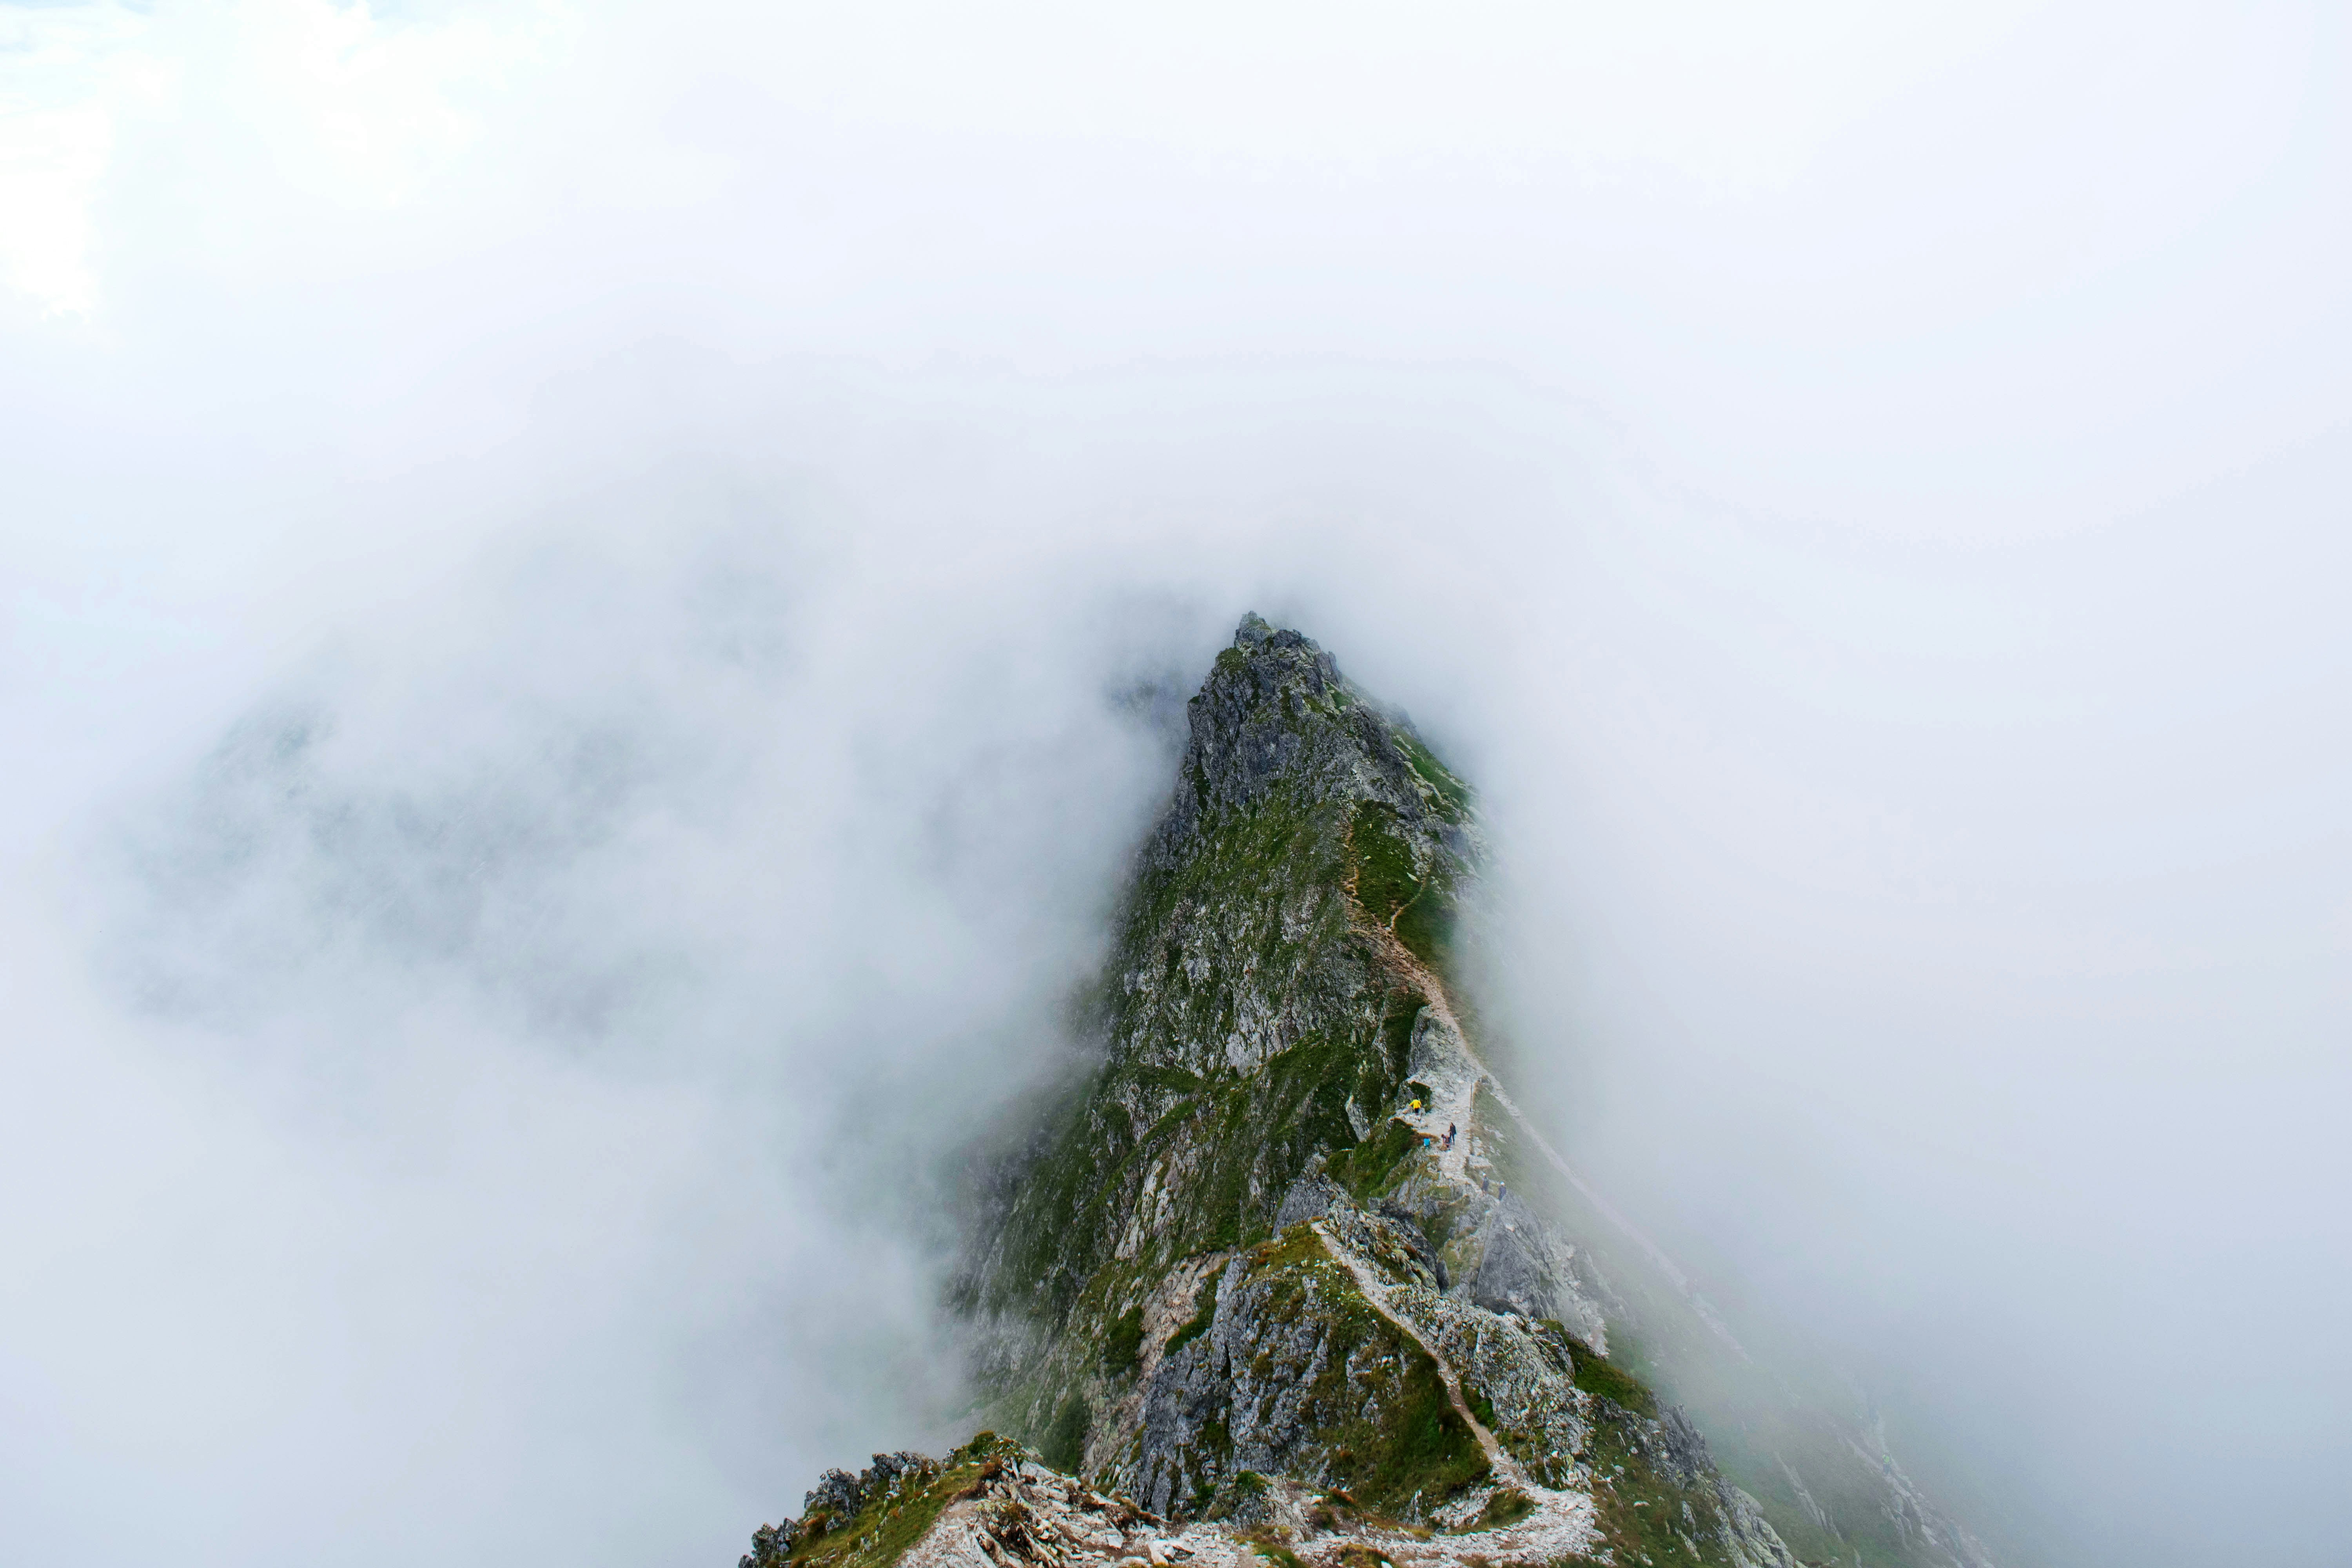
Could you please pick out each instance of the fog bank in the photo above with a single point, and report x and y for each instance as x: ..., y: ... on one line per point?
x: 595, y: 599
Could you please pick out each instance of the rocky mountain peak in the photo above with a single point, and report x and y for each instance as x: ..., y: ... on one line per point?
x: 1286, y: 1276
x: 1275, y: 714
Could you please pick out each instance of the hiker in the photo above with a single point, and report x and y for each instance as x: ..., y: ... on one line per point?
x: 1449, y: 1135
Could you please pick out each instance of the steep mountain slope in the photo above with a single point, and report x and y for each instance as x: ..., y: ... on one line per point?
x: 1287, y: 1272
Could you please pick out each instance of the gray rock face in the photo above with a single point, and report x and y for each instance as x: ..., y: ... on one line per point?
x: 836, y: 1492
x: 1299, y: 1374
x: 1310, y: 1196
x: 770, y: 1545
x: 1237, y: 1398
x: 1275, y: 713
x: 1415, y: 1242
x: 840, y: 1495
x: 1518, y: 1269
x: 1293, y: 1376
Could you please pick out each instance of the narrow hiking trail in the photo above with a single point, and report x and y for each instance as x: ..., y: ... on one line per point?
x: 1563, y: 1523
x: 1453, y: 1105
x: 1454, y: 1098
x: 1377, y: 1293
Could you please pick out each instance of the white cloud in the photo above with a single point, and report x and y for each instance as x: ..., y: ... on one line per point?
x: 246, y: 106
x: 1856, y: 487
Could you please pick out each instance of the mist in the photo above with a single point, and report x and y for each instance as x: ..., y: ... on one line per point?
x: 597, y: 599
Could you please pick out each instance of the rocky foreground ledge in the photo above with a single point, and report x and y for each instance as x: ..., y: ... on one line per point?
x: 994, y: 1503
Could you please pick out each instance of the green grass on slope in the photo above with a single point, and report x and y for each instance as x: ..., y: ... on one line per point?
x: 1599, y: 1376
x: 883, y: 1530
x: 1064, y: 1443
x: 1366, y: 1170
x: 1392, y: 891
x: 1123, y: 1346
x: 1197, y: 1326
x: 1400, y: 1447
x: 1248, y: 1132
x: 1453, y: 794
x: 1644, y: 1517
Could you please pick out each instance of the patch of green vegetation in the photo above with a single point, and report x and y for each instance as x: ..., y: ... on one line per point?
x: 886, y: 1526
x: 1175, y: 1080
x: 1279, y: 844
x: 1293, y: 1247
x: 1643, y: 1514
x: 1264, y: 1543
x: 1244, y: 1135
x: 1426, y: 928
x: 1400, y: 1012
x: 1507, y: 1506
x: 1228, y: 1126
x: 1338, y: 1510
x: 1453, y: 794
x: 1197, y: 1326
x: 1366, y: 1169
x: 1390, y: 1432
x: 1065, y: 1444
x: 1599, y: 1376
x: 1055, y: 1192
x: 1393, y: 892
x: 1480, y: 1405
x: 1245, y: 1489
x: 1123, y: 1343
x: 1309, y: 1087
x: 1426, y: 1453
x: 1213, y: 1442
x: 1386, y: 878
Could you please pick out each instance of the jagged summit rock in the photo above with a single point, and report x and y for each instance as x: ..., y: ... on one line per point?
x: 1275, y: 711
x: 1287, y: 1275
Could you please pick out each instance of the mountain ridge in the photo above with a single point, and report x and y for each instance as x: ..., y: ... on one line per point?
x: 1257, y: 1282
